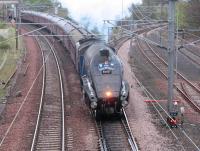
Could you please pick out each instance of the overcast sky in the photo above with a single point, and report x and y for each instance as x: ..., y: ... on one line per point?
x: 97, y: 10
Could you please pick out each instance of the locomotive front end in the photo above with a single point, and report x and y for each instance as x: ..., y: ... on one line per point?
x: 107, y: 76
x: 102, y: 77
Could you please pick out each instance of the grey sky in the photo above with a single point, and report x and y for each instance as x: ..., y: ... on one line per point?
x: 97, y: 10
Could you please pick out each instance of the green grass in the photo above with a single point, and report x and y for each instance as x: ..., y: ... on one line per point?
x: 2, y: 25
x: 4, y: 45
x: 2, y: 93
x: 2, y: 56
x: 9, y: 66
x: 13, y: 56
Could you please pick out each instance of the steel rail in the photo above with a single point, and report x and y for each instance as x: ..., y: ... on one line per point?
x: 41, y: 105
x: 127, y: 128
x: 179, y: 74
x: 20, y: 108
x: 41, y: 99
x: 104, y: 146
x: 180, y: 91
x: 62, y: 95
x: 192, y: 52
x: 196, y: 107
x: 185, y: 46
x: 102, y: 142
x: 117, y: 43
x: 189, y: 57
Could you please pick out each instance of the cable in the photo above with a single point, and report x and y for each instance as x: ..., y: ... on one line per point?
x: 22, y: 34
x: 171, y: 118
x: 192, y: 34
x: 162, y: 107
x: 193, y: 41
x: 138, y: 36
x: 22, y: 104
x: 149, y: 94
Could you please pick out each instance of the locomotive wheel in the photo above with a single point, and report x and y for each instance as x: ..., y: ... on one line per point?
x: 119, y: 108
x: 120, y: 113
x: 97, y: 115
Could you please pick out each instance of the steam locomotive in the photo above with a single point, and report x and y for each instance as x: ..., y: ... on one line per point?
x: 100, y: 69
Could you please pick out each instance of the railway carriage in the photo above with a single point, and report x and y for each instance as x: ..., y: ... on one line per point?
x: 100, y: 69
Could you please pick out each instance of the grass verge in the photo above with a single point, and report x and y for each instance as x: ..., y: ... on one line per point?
x: 10, y: 63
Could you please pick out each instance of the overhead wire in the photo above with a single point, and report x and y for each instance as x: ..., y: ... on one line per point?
x: 150, y: 95
x: 23, y: 102
x: 171, y: 117
x: 22, y: 34
x: 45, y: 27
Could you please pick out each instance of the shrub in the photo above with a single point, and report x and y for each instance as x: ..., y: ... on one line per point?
x: 4, y: 45
x: 2, y: 25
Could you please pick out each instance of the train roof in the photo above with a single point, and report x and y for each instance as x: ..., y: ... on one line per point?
x: 65, y: 24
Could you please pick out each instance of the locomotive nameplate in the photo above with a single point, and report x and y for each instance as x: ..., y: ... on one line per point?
x: 106, y: 71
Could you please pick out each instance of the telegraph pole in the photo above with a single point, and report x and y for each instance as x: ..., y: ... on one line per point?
x: 161, y: 19
x: 122, y: 16
x: 16, y: 15
x: 171, y: 56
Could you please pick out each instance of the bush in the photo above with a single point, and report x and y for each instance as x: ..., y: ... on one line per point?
x: 4, y: 45
x: 2, y: 25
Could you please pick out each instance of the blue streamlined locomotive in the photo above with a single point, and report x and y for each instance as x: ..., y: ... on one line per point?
x: 100, y: 69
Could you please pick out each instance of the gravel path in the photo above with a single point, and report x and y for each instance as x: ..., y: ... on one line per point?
x: 146, y: 132
x: 20, y: 135
x: 80, y: 126
x: 4, y: 60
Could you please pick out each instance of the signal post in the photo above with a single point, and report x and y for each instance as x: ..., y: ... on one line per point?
x: 172, y: 107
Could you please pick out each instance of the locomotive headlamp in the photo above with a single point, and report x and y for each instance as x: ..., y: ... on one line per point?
x: 108, y: 94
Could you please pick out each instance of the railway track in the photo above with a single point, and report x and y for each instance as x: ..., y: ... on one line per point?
x: 193, y: 55
x: 117, y: 43
x: 161, y: 65
x: 49, y: 131
x: 189, y: 50
x: 182, y: 138
x: 116, y: 135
